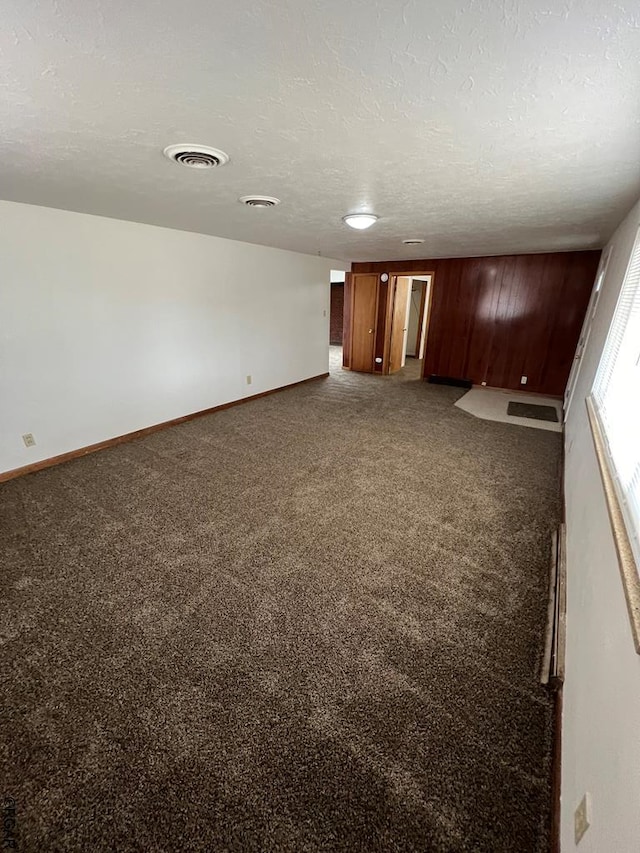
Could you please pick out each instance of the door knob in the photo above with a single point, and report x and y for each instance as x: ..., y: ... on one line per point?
x: 370, y: 331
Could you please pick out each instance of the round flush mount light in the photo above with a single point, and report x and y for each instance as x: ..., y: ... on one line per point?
x: 360, y: 221
x: 259, y: 200
x: 196, y: 156
x: 413, y: 241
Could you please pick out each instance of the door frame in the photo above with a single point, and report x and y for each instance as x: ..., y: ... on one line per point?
x: 425, y: 305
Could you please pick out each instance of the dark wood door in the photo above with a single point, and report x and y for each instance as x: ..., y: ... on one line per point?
x: 399, y: 322
x: 364, y: 300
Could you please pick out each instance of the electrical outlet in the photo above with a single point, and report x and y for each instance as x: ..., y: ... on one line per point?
x: 28, y: 439
x: 249, y: 379
x: 324, y: 313
x: 582, y: 817
x: 483, y: 383
x: 523, y: 380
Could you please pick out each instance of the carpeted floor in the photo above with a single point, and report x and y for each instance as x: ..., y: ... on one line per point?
x: 310, y: 623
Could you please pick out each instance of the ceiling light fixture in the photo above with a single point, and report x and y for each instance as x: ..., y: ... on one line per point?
x: 196, y: 156
x: 360, y: 221
x: 259, y: 200
x: 413, y: 241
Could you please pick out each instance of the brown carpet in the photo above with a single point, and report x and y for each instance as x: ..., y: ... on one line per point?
x: 310, y: 623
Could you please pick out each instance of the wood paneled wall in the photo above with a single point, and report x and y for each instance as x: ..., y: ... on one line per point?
x: 336, y: 314
x: 496, y: 319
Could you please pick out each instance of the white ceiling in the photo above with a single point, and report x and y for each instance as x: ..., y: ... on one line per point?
x: 484, y: 127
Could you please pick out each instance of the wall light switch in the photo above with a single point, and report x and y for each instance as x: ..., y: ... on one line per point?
x: 28, y: 439
x: 249, y: 379
x: 582, y: 817
x: 523, y: 380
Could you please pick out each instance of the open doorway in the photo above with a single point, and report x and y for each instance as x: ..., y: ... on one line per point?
x: 417, y: 319
x: 336, y: 319
x: 410, y: 321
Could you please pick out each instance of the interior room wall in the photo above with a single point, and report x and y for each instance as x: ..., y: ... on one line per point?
x: 601, y: 721
x: 110, y: 326
x: 496, y: 319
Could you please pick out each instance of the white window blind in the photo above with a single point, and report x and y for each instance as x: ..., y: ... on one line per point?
x: 616, y: 395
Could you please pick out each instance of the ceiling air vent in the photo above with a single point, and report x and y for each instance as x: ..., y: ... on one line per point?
x: 196, y: 156
x: 413, y: 241
x: 259, y: 200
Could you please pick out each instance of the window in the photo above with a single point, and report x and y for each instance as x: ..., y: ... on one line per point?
x: 616, y: 399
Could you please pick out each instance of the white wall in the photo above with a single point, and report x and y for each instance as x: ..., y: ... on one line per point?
x: 109, y: 326
x: 601, y: 723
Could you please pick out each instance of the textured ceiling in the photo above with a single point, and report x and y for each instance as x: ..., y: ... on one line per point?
x: 483, y: 127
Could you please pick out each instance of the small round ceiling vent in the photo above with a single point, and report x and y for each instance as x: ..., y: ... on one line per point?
x: 413, y: 241
x: 259, y: 200
x: 196, y: 156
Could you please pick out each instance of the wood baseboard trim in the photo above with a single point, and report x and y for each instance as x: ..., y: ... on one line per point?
x: 140, y: 433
